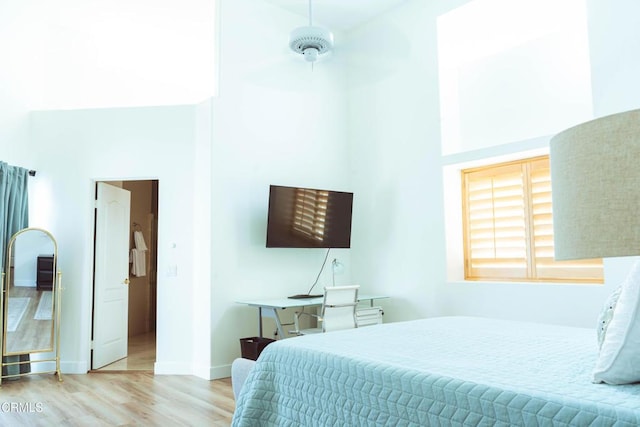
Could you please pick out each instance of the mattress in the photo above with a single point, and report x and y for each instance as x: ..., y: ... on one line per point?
x: 448, y: 371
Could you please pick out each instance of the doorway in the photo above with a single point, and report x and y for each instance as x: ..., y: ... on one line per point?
x: 142, y: 278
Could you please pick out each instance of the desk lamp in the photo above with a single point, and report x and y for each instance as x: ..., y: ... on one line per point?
x: 595, y: 178
x: 336, y: 268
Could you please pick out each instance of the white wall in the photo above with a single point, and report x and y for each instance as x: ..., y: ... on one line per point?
x: 82, y: 54
x: 77, y: 148
x: 533, y: 67
x: 274, y: 122
x: 614, y: 34
x: 401, y: 175
x: 394, y: 136
x: 15, y: 98
x: 120, y: 53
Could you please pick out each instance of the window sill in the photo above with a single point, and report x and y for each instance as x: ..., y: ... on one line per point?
x: 507, y: 283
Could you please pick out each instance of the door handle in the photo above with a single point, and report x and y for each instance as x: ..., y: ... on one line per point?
x: 126, y: 281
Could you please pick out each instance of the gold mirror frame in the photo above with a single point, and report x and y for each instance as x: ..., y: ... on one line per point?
x: 39, y: 330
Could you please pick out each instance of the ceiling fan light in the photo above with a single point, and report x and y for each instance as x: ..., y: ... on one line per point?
x: 310, y: 54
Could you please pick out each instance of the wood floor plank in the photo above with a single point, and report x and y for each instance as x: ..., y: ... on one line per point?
x: 116, y: 399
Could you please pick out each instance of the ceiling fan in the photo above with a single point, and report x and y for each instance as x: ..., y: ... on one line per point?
x: 368, y: 59
x: 311, y: 41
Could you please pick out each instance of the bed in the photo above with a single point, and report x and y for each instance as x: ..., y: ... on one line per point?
x: 447, y: 371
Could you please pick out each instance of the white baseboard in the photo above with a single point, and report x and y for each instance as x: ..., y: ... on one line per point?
x: 160, y: 368
x: 201, y: 371
x: 172, y: 368
x: 217, y: 372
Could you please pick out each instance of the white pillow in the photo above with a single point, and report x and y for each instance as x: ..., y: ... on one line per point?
x: 620, y: 351
x: 607, y: 314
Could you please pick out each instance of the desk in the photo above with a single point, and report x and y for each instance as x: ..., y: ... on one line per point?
x: 270, y: 307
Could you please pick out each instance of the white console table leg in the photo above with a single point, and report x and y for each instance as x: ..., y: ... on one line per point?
x: 273, y: 313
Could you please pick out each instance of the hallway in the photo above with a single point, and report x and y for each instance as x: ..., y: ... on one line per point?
x: 141, y: 354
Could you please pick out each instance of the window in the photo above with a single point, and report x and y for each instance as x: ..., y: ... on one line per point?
x: 508, y: 226
x: 310, y: 211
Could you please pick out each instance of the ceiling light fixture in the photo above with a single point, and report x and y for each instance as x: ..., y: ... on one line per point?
x: 311, y: 41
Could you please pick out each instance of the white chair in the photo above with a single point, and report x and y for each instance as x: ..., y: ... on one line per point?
x: 338, y: 311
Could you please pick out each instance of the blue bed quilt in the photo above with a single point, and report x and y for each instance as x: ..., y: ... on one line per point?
x: 447, y: 371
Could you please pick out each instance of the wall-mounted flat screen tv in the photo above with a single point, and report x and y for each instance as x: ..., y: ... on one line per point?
x: 308, y: 218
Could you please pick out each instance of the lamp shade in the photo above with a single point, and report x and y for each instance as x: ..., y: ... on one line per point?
x: 595, y: 178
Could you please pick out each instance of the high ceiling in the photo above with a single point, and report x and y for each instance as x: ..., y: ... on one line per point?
x: 338, y: 14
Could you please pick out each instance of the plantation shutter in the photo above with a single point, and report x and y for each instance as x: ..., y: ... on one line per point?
x: 495, y: 226
x: 310, y: 211
x: 508, y: 226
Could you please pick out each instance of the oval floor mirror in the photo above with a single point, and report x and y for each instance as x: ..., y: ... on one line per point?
x: 30, y: 303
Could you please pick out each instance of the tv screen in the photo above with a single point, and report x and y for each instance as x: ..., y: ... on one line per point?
x: 308, y: 218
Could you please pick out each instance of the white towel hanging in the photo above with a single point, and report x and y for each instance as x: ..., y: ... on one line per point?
x: 138, y: 239
x: 138, y: 263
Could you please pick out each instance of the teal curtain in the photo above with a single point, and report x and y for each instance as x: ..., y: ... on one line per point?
x: 14, y: 216
x: 14, y: 204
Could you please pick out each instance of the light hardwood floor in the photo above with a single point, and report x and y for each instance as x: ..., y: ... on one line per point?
x: 125, y: 393
x: 141, y: 354
x: 116, y: 399
x: 31, y: 332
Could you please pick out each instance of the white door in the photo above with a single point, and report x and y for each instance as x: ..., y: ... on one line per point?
x: 111, y: 287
